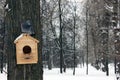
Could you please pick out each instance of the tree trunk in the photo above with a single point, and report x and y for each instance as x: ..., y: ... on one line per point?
x: 61, y: 51
x: 87, y: 39
x: 19, y: 12
x: 74, y: 25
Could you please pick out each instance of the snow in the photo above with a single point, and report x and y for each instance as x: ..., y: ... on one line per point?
x: 110, y: 8
x: 19, y: 37
x: 118, y: 33
x: 93, y: 74
x: 3, y: 76
x: 80, y: 74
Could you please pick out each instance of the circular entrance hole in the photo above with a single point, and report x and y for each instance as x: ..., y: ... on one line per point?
x: 27, y: 49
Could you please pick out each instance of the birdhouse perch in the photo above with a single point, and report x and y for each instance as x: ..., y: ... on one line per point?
x: 26, y: 49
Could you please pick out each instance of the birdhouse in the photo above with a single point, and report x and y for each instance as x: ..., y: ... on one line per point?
x: 26, y: 49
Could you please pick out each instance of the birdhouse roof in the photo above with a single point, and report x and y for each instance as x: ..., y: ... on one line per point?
x: 25, y: 35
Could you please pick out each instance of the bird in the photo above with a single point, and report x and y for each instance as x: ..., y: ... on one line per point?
x: 26, y: 27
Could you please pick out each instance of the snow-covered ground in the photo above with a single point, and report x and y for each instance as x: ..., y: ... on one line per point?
x: 93, y: 74
x: 80, y: 74
x: 3, y: 76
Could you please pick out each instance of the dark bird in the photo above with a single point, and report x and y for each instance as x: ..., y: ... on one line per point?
x: 26, y: 27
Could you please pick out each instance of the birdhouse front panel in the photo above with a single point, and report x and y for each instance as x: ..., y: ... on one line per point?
x: 26, y: 50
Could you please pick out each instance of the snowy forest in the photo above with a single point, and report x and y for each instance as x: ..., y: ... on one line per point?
x: 70, y: 33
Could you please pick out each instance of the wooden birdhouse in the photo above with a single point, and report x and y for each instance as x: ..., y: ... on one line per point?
x: 26, y: 49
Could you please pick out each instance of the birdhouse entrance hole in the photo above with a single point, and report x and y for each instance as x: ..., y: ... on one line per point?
x: 27, y: 49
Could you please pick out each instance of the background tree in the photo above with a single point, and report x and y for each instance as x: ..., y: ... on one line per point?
x: 100, y: 30
x: 51, y: 31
